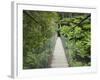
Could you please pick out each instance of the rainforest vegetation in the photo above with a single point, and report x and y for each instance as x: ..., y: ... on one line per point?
x: 40, y: 31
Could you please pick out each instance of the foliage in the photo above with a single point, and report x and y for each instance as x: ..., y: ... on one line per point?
x: 77, y: 40
x: 39, y: 36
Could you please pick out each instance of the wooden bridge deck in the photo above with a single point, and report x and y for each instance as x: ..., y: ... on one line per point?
x: 59, y: 58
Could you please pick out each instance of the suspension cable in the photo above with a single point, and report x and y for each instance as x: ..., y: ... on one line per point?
x: 82, y: 20
x: 32, y: 18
